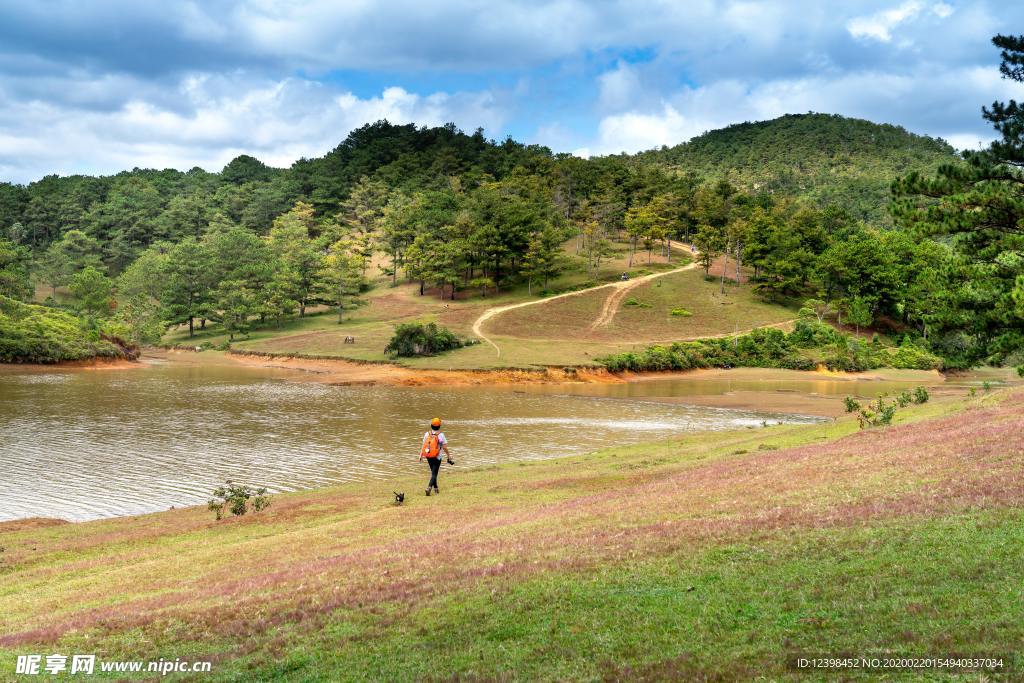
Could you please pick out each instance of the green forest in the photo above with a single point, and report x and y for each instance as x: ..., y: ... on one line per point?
x: 878, y: 228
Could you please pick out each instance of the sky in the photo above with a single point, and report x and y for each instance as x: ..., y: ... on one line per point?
x: 99, y: 86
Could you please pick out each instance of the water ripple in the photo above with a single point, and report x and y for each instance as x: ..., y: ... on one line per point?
x: 81, y: 445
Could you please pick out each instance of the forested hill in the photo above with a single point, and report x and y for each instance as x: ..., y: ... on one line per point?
x: 822, y: 157
x: 132, y: 209
x: 827, y: 159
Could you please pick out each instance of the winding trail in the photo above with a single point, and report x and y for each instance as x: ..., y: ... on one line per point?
x: 608, y: 310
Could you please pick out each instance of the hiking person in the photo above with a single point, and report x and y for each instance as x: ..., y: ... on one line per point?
x: 433, y: 443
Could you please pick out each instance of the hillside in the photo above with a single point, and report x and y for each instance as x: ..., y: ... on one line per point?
x: 38, y: 334
x: 823, y: 157
x: 682, y: 560
x: 468, y: 223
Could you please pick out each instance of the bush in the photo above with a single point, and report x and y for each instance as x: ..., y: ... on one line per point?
x: 921, y: 395
x: 38, y: 334
x: 907, y: 356
x: 235, y: 498
x: 638, y: 304
x: 851, y: 404
x: 809, y: 345
x: 877, y: 414
x: 681, y: 313
x: 417, y: 339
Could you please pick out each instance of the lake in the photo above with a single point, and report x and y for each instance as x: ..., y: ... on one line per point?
x: 84, y: 444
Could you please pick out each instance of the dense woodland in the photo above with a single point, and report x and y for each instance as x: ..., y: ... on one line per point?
x: 826, y: 159
x: 801, y: 203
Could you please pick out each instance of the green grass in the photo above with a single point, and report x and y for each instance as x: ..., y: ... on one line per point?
x: 384, y: 307
x: 730, y: 612
x: 697, y: 557
x: 711, y: 313
x: 650, y: 319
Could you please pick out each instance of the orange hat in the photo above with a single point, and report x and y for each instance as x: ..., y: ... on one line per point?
x: 436, y: 423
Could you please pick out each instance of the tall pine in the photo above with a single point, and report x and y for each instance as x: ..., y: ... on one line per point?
x: 977, y: 208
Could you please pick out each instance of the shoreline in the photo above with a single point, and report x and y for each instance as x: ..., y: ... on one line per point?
x: 341, y: 372
x: 98, y: 363
x: 337, y: 372
x: 345, y: 372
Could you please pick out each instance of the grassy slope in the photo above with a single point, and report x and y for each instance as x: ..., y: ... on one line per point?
x: 671, y: 560
x: 525, y: 335
x: 651, y: 320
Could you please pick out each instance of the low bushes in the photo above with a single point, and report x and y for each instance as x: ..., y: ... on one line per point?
x: 880, y: 413
x: 417, y: 339
x: 237, y: 499
x: 38, y: 334
x: 811, y: 344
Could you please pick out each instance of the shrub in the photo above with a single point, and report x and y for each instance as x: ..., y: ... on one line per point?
x: 921, y: 395
x: 809, y: 345
x: 634, y: 302
x: 809, y: 333
x: 38, y: 334
x: 235, y: 498
x: 681, y: 313
x: 850, y: 404
x: 876, y: 414
x: 417, y: 339
x: 907, y: 356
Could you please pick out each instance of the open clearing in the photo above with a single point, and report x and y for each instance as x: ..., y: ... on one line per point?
x: 645, y: 313
x: 681, y: 559
x: 525, y: 335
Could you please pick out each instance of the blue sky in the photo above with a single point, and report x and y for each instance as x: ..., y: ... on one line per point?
x: 101, y: 86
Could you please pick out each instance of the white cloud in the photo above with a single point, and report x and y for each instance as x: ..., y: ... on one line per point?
x: 619, y: 88
x: 969, y: 141
x: 215, y: 120
x: 919, y: 101
x: 634, y: 131
x: 102, y: 86
x: 879, y: 26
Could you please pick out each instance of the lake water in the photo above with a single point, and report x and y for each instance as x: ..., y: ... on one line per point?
x: 86, y: 444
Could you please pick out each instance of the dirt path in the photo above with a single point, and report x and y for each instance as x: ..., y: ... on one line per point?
x: 608, y: 310
x: 611, y: 304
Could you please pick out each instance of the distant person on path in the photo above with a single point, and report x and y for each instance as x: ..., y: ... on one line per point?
x: 433, y: 443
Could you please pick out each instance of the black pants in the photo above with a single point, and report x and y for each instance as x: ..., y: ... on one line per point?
x: 435, y: 467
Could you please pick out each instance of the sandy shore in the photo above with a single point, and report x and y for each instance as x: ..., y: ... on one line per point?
x: 346, y: 373
x: 91, y: 364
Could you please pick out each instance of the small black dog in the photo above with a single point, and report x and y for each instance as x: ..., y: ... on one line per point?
x: 399, y: 497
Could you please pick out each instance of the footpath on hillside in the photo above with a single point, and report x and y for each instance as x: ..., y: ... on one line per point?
x: 608, y: 309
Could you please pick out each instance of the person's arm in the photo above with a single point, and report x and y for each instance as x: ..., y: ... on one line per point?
x: 444, y: 447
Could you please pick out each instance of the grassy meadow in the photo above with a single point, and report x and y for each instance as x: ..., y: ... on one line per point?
x: 688, y: 559
x: 557, y: 333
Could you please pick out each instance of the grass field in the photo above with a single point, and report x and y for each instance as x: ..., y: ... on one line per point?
x: 690, y: 559
x: 556, y: 333
x: 645, y: 314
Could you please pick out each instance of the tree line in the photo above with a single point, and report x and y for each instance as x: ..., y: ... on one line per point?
x: 455, y: 212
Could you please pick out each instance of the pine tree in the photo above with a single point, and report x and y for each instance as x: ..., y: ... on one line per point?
x: 342, y: 276
x: 187, y: 287
x: 977, y: 207
x: 291, y: 243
